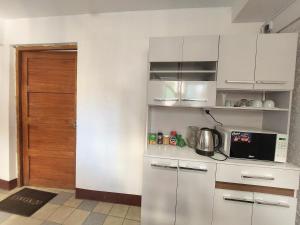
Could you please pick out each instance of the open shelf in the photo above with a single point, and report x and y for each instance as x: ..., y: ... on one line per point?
x: 183, y: 71
x: 250, y: 108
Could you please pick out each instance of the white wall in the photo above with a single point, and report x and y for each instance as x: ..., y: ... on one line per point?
x: 112, y: 76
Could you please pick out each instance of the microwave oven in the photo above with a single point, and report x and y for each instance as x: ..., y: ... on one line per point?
x: 248, y: 143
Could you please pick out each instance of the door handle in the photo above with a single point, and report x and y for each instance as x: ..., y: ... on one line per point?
x: 278, y: 204
x: 270, y: 82
x: 237, y: 199
x: 240, y: 81
x: 165, y: 99
x: 194, y: 100
x: 193, y: 169
x: 165, y: 166
x: 258, y: 177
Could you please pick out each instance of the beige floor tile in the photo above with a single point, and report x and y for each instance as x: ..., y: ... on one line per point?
x: 131, y: 222
x: 73, y: 202
x: 77, y: 217
x: 103, y: 207
x: 111, y: 220
x: 3, y: 196
x: 61, y: 214
x: 119, y: 210
x: 20, y: 220
x: 46, y: 211
x: 134, y: 213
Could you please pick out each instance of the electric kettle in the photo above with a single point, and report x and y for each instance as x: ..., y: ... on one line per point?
x: 208, y: 140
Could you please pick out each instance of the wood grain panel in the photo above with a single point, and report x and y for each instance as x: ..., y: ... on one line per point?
x: 48, y: 73
x: 254, y: 188
x: 51, y: 137
x: 51, y: 107
x: 52, y: 172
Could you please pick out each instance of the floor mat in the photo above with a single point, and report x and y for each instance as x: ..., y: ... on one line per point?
x: 26, y: 201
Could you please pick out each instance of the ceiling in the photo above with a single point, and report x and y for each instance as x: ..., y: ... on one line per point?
x: 43, y: 8
x: 259, y: 10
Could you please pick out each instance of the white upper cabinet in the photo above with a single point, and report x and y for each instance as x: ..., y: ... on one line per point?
x: 200, y: 48
x: 236, y: 61
x: 165, y: 49
x: 275, y: 61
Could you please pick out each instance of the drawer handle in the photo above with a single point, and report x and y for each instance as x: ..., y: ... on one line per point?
x: 240, y: 81
x: 194, y: 100
x: 279, y: 204
x: 257, y: 177
x: 193, y: 169
x: 165, y: 99
x: 270, y: 82
x: 163, y: 166
x: 236, y: 199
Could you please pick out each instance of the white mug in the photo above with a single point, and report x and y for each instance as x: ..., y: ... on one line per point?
x: 257, y: 103
x: 269, y: 104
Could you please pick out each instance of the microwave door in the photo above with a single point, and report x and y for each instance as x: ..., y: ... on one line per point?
x: 243, y: 145
x: 266, y: 147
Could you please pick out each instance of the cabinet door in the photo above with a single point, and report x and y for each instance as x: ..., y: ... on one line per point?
x: 232, y: 207
x: 275, y: 61
x: 165, y: 49
x: 273, y: 210
x: 159, y: 191
x: 164, y: 93
x: 200, y: 48
x: 195, y: 193
x: 198, y: 93
x: 236, y: 61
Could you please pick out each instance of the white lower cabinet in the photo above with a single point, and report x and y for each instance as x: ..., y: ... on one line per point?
x: 232, y: 207
x: 159, y: 191
x: 195, y: 193
x: 273, y: 210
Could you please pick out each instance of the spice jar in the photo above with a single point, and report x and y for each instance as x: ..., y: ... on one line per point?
x: 160, y: 138
x: 166, y: 140
x: 152, y: 139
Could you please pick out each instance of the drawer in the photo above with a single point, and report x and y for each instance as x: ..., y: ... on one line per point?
x: 253, y: 175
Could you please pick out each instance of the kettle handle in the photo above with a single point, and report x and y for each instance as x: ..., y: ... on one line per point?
x: 214, y: 131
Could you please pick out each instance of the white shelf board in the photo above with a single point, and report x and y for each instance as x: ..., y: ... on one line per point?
x: 250, y: 108
x: 183, y: 71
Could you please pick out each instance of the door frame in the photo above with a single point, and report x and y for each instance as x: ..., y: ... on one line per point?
x: 19, y: 49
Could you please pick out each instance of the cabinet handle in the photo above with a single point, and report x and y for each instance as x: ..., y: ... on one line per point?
x: 194, y: 100
x: 279, y: 204
x: 163, y: 166
x: 165, y: 99
x: 257, y: 177
x: 193, y: 169
x: 270, y: 82
x: 236, y: 199
x: 240, y: 81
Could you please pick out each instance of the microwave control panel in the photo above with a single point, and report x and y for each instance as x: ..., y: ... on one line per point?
x: 281, y: 148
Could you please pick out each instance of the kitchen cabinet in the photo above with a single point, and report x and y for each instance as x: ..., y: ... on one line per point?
x: 165, y: 49
x: 236, y: 62
x: 195, y: 193
x: 163, y: 93
x: 159, y: 191
x: 198, y: 93
x: 232, y: 207
x: 273, y: 210
x: 276, y: 61
x: 200, y: 48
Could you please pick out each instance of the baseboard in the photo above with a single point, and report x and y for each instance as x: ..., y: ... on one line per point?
x: 109, y: 197
x: 8, y: 185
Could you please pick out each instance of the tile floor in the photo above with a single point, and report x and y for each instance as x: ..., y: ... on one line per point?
x: 65, y: 209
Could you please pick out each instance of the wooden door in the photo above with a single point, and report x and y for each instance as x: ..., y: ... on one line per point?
x: 48, y: 98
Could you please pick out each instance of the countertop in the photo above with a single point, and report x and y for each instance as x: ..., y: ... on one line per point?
x: 186, y: 153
